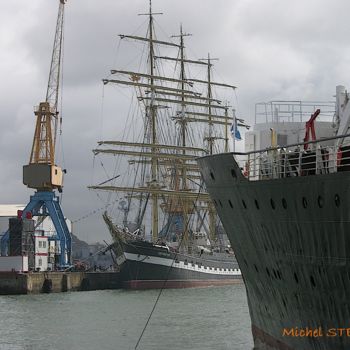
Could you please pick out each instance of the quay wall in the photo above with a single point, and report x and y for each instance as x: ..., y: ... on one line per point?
x: 55, y: 282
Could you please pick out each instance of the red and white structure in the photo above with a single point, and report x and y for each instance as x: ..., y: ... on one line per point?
x: 46, y: 248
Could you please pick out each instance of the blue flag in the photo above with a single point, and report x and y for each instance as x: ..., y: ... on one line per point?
x: 235, y: 132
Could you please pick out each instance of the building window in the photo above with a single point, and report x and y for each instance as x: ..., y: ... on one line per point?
x: 40, y: 262
x: 40, y: 244
x: 44, y: 244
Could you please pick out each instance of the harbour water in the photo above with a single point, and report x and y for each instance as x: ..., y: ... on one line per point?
x: 193, y: 319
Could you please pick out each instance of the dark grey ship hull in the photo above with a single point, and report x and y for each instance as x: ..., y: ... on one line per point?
x: 144, y: 265
x: 292, y: 241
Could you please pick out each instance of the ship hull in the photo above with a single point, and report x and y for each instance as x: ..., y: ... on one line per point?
x: 292, y: 241
x: 147, y: 266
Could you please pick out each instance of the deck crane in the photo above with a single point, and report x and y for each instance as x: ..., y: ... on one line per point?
x: 310, y: 128
x: 42, y: 173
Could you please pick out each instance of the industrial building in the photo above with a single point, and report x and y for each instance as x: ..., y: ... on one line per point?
x: 28, y: 243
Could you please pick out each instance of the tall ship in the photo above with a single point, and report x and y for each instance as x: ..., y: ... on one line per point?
x: 285, y: 205
x: 165, y: 229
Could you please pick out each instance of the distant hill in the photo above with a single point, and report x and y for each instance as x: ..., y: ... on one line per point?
x: 90, y: 253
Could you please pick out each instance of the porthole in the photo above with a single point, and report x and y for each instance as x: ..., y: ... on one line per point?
x: 337, y: 200
x: 272, y: 202
x: 233, y: 173
x: 244, y: 205
x: 296, y: 277
x: 320, y: 202
x: 230, y: 203
x: 257, y: 204
x: 312, y: 281
x: 212, y: 176
x: 304, y: 203
x: 284, y: 203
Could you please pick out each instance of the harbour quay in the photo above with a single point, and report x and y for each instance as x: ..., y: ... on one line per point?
x: 56, y: 282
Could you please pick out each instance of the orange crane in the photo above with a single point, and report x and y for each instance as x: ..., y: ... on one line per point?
x: 42, y: 174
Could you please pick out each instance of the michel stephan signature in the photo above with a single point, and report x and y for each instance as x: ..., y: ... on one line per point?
x: 315, y: 332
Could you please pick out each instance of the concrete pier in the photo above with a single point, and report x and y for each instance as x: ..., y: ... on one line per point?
x: 55, y: 282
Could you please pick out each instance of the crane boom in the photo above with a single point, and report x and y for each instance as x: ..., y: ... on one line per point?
x: 55, y: 67
x: 55, y: 70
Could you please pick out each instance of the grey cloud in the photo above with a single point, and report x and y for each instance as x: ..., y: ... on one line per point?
x: 269, y: 49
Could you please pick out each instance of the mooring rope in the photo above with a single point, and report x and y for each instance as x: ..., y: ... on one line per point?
x: 166, y: 279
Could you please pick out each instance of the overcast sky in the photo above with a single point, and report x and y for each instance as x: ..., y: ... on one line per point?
x: 271, y: 49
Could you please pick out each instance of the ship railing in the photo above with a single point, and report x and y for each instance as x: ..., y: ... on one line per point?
x: 292, y: 111
x: 324, y: 156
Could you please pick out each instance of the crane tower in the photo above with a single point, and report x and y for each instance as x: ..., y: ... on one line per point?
x: 42, y: 173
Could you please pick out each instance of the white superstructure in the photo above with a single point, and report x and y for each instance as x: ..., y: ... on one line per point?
x: 282, y: 123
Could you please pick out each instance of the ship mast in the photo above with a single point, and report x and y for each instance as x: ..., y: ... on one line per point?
x: 181, y: 202
x: 183, y: 131
x: 210, y: 137
x: 152, y: 107
x: 183, y: 106
x: 157, y: 151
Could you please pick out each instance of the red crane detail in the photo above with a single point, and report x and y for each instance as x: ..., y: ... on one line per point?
x: 310, y: 127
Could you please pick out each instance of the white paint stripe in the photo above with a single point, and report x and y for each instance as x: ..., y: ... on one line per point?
x: 180, y: 265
